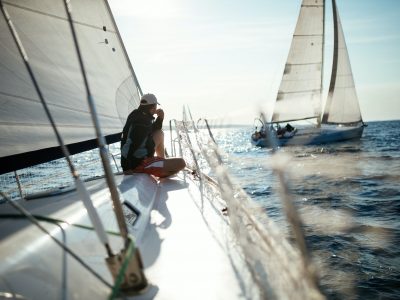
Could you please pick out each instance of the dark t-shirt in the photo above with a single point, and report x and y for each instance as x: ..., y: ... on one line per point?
x: 137, y: 137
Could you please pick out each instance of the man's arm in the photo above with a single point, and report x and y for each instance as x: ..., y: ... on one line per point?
x: 157, y: 125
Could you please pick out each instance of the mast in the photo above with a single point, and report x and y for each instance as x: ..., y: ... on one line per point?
x: 334, y: 63
x: 342, y: 106
x: 323, y: 58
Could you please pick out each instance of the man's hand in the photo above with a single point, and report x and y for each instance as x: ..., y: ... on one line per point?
x: 160, y: 113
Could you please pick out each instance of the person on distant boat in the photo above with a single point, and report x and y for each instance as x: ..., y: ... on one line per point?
x: 285, y: 132
x: 259, y: 134
x: 289, y: 127
x: 280, y: 131
x: 142, y: 137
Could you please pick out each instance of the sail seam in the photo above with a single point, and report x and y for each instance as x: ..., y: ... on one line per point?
x: 58, y: 125
x: 312, y: 5
x: 307, y: 35
x: 303, y: 64
x: 54, y: 16
x: 55, y: 105
x: 302, y: 91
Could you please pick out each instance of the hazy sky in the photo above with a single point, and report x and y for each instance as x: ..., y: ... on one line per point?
x: 224, y: 59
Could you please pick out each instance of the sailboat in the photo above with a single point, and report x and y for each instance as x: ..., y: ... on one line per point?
x: 299, y: 97
x: 67, y: 86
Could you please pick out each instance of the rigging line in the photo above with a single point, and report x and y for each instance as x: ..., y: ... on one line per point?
x: 34, y: 221
x: 78, y: 182
x: 100, y: 138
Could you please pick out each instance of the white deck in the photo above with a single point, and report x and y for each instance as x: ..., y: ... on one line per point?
x: 184, y: 254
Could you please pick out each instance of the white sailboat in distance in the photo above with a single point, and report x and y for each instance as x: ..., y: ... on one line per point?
x: 299, y: 96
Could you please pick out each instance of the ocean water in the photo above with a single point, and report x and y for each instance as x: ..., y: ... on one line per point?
x: 348, y: 196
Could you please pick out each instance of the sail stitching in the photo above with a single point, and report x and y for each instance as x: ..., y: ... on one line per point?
x: 54, y: 16
x: 58, y: 125
x: 56, y: 105
x: 300, y: 91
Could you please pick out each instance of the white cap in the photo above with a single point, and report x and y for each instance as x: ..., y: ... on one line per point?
x: 148, y: 99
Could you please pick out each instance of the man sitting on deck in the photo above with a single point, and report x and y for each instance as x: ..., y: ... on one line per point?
x: 142, y: 137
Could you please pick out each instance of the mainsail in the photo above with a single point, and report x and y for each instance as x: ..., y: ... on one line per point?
x: 299, y: 95
x: 26, y: 136
x: 342, y: 105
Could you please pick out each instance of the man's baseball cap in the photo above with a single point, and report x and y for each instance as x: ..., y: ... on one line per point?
x: 148, y: 99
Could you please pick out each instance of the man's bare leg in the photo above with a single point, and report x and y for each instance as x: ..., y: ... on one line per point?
x: 172, y: 166
x: 158, y: 138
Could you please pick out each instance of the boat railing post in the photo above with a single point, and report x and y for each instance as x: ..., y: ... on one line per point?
x: 209, y: 131
x: 173, y: 153
x: 179, y: 138
x: 113, y: 157
x: 196, y: 162
x: 21, y: 194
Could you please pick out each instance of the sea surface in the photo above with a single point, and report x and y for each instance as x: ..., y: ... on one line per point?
x: 348, y: 196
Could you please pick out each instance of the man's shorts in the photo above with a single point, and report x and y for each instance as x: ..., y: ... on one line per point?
x: 150, y: 165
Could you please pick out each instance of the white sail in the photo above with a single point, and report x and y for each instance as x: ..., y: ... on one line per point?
x: 342, y: 105
x: 299, y: 95
x: 46, y: 36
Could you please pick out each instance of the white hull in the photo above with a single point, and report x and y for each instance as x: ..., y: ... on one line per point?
x: 314, y: 136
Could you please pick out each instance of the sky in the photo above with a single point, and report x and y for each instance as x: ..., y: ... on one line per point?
x: 224, y: 59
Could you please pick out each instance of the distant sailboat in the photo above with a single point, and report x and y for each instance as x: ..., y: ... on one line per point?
x: 300, y: 93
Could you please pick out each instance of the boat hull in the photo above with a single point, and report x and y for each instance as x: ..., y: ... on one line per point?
x: 314, y: 136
